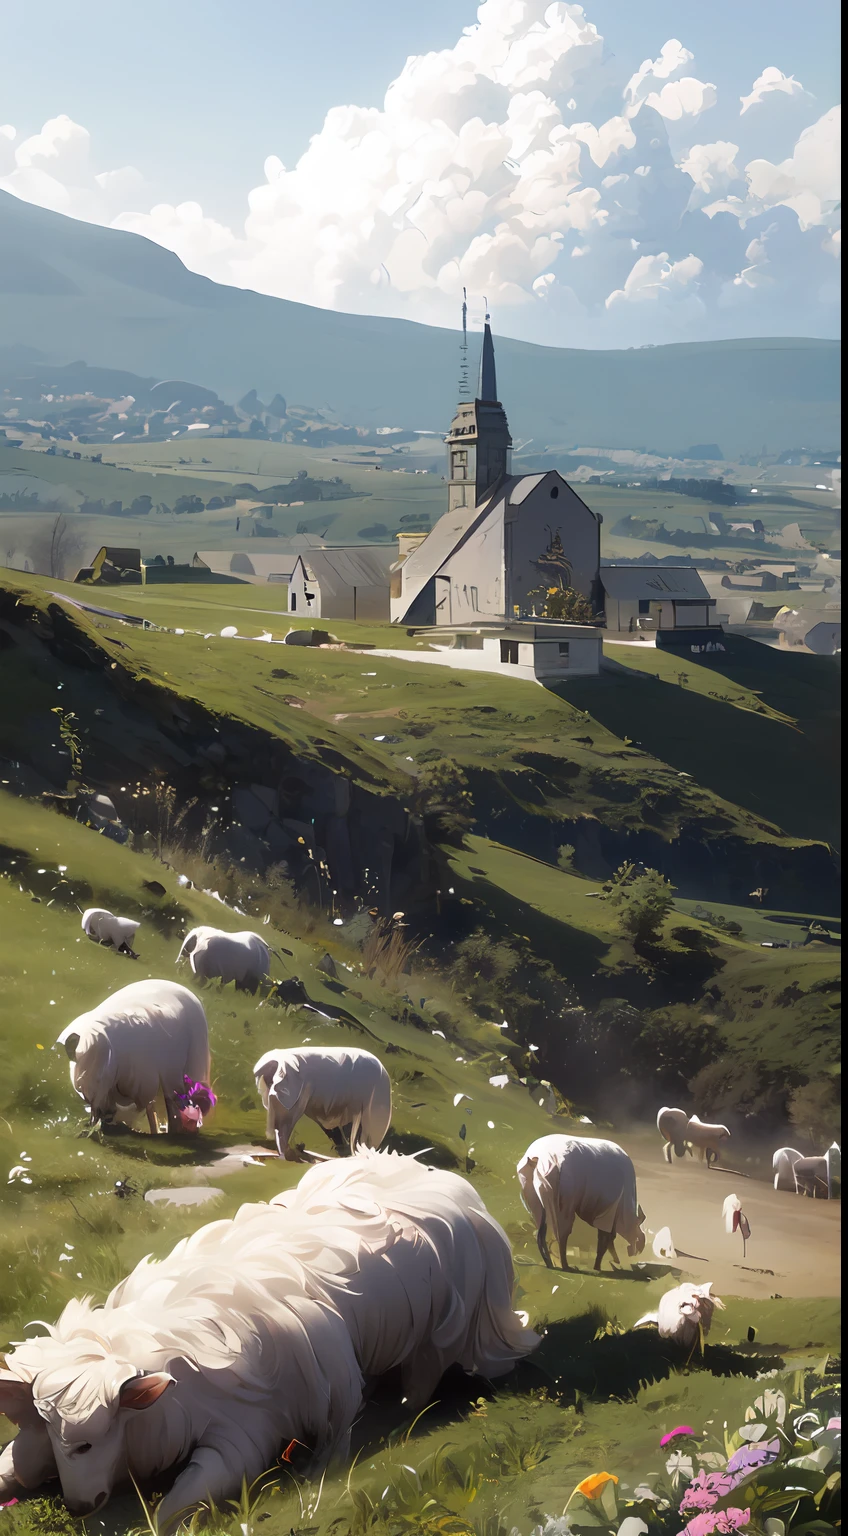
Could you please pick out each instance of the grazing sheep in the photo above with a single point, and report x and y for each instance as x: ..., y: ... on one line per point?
x: 103, y: 926
x: 566, y: 1176
x: 261, y: 1330
x: 684, y: 1313
x: 148, y: 1036
x: 783, y: 1165
x: 811, y: 1177
x: 336, y: 1086
x: 215, y: 955
x: 707, y: 1138
x: 671, y: 1124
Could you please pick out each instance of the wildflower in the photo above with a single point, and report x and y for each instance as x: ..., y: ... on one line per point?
x: 724, y: 1521
x: 705, y: 1491
x: 679, y: 1467
x: 752, y: 1456
x: 682, y: 1429
x: 591, y: 1487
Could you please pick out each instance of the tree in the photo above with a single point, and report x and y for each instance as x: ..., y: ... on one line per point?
x: 565, y: 857
x: 55, y: 548
x: 815, y: 1110
x: 645, y: 901
x: 141, y: 506
x: 444, y: 799
x: 188, y: 504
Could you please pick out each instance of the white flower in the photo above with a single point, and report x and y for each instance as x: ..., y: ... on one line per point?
x: 679, y: 1466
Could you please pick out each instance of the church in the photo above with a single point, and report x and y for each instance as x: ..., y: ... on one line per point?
x: 505, y: 539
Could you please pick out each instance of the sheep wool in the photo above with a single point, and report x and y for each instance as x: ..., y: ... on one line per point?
x: 783, y: 1167
x: 106, y: 928
x: 263, y: 1329
x: 215, y: 955
x: 146, y: 1037
x: 566, y: 1176
x: 333, y: 1085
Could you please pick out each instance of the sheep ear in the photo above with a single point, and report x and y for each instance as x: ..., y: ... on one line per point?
x: 189, y: 944
x: 16, y: 1400
x: 267, y: 1071
x: 142, y: 1391
x: 70, y: 1043
x: 640, y: 1215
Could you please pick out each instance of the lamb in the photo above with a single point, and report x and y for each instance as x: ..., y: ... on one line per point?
x: 811, y: 1177
x: 684, y: 1314
x: 683, y: 1132
x: 261, y: 1330
x: 671, y: 1124
x: 105, y: 928
x: 566, y: 1176
x: 336, y: 1086
x: 215, y: 955
x: 147, y: 1036
x: 783, y: 1167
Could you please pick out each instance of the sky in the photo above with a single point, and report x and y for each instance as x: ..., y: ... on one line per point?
x: 611, y: 174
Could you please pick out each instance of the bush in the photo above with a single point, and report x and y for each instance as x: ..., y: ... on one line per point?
x: 444, y: 799
x: 744, y: 1089
x: 675, y: 1050
x: 645, y: 902
x: 815, y: 1110
x: 565, y: 858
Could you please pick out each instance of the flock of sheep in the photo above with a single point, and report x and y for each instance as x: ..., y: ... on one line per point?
x: 269, y: 1328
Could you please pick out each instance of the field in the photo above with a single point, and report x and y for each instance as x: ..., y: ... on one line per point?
x: 544, y: 769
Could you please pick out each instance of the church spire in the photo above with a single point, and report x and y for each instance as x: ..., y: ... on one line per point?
x: 488, y: 385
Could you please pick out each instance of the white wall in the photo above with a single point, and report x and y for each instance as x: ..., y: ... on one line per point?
x: 297, y: 600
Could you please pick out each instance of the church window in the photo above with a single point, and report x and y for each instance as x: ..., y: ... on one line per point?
x: 644, y: 605
x: 564, y: 648
x: 554, y: 492
x: 509, y: 652
x: 474, y: 600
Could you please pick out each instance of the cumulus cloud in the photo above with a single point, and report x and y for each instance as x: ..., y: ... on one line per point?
x: 655, y: 277
x: 528, y: 162
x: 771, y: 79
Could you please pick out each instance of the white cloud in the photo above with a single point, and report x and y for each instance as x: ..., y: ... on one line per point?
x: 713, y: 170
x: 755, y: 274
x: 833, y: 244
x: 808, y: 182
x: 184, y: 229
x: 770, y: 80
x: 683, y: 98
x: 655, y: 277
x: 52, y: 168
x: 672, y: 57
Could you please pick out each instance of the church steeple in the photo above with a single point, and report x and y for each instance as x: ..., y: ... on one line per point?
x: 479, y: 443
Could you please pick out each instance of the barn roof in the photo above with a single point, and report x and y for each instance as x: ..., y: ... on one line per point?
x: 354, y: 566
x: 632, y: 583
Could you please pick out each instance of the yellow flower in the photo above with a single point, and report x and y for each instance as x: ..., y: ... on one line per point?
x: 592, y: 1486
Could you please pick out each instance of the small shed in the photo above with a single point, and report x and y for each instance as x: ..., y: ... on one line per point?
x: 349, y: 582
x: 542, y: 651
x: 639, y: 598
x: 112, y: 567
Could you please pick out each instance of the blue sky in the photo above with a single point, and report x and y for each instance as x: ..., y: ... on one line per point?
x: 166, y: 126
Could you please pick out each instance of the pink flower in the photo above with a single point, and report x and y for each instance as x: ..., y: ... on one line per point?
x: 8, y: 1504
x: 705, y: 1491
x: 725, y: 1521
x: 682, y: 1429
x: 835, y: 1424
x: 752, y: 1456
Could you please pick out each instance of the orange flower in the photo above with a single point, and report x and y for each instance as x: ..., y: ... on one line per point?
x: 591, y: 1486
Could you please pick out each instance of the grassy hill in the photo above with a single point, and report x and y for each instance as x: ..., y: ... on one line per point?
x: 74, y: 290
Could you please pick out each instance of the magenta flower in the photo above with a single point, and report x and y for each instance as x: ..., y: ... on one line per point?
x: 724, y: 1521
x: 835, y: 1424
x: 196, y: 1096
x: 705, y: 1491
x: 681, y: 1431
x: 750, y: 1457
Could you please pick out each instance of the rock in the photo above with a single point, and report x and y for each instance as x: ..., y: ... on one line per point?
x: 328, y: 965
x: 307, y: 637
x: 252, y: 812
x: 102, y: 806
x: 155, y: 887
x: 268, y: 797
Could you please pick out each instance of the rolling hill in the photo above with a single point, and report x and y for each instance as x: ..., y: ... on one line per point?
x: 71, y: 290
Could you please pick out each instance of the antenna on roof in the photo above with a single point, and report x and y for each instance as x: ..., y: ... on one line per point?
x: 463, y: 349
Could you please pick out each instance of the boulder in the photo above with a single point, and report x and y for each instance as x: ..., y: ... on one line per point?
x: 307, y: 637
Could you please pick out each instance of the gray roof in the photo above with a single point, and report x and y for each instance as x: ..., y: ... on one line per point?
x: 631, y: 583
x: 353, y: 566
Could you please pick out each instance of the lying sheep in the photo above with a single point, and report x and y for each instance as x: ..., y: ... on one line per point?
x: 566, y: 1176
x: 106, y: 928
x: 148, y: 1036
x: 671, y: 1124
x: 684, y: 1132
x: 684, y: 1314
x: 262, y: 1330
x: 215, y: 955
x: 783, y: 1167
x: 811, y: 1177
x: 336, y: 1086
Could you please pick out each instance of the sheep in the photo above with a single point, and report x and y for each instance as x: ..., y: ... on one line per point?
x: 671, y: 1124
x: 566, y: 1176
x: 783, y: 1165
x: 684, y: 1314
x: 147, y: 1036
x: 336, y: 1086
x: 707, y: 1138
x: 105, y: 928
x: 811, y: 1177
x: 683, y: 1132
x: 264, y: 1329
x: 215, y: 955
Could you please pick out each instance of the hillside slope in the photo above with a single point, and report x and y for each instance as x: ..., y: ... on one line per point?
x: 74, y: 290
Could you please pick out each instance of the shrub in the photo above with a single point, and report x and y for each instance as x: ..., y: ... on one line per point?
x: 645, y: 903
x: 815, y: 1110
x: 444, y: 798
x: 565, y: 857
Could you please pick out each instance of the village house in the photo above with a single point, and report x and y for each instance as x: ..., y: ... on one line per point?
x: 659, y: 601
x: 342, y: 583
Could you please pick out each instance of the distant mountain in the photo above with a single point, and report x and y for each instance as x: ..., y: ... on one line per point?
x: 74, y: 291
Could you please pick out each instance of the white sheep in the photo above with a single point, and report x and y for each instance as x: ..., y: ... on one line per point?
x: 336, y: 1086
x: 215, y: 955
x: 261, y: 1330
x: 671, y: 1124
x: 683, y: 1132
x: 684, y: 1313
x: 811, y: 1177
x: 147, y: 1036
x: 106, y: 928
x: 566, y: 1176
x: 708, y: 1139
x: 783, y: 1166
